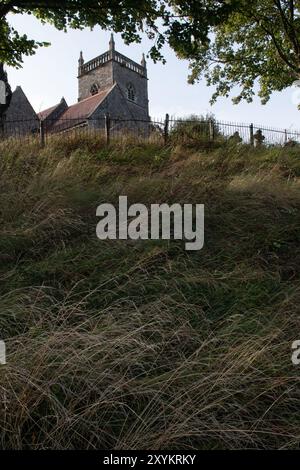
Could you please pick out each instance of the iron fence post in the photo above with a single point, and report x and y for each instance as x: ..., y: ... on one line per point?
x: 166, y: 129
x: 211, y: 130
x: 42, y: 133
x: 251, y: 135
x: 107, y: 128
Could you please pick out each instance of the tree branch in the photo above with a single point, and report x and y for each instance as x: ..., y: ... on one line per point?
x: 279, y: 49
x: 288, y: 26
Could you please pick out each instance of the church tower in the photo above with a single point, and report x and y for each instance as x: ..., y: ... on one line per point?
x: 113, y: 68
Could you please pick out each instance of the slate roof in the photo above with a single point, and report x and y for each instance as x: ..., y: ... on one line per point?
x: 79, y: 112
x: 44, y: 114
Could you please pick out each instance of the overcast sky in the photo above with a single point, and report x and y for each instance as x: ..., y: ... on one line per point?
x: 52, y: 73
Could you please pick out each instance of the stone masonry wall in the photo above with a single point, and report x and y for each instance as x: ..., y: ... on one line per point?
x: 121, y: 116
x: 102, y: 76
x: 123, y: 77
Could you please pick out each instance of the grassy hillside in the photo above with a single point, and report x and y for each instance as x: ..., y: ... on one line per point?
x: 139, y: 345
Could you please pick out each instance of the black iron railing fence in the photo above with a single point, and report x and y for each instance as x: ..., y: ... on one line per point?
x: 196, y: 129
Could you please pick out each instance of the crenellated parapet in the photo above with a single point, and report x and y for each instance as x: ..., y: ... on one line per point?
x: 113, y: 55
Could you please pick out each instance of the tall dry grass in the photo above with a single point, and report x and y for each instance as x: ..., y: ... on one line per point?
x: 142, y: 345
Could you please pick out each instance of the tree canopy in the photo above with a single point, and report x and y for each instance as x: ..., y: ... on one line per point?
x: 174, y: 21
x: 258, y: 43
x: 229, y: 43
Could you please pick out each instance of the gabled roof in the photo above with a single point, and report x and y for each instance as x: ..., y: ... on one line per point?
x: 20, y: 107
x: 78, y: 113
x: 43, y: 115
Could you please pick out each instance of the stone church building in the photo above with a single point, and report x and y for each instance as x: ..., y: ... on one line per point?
x: 111, y: 84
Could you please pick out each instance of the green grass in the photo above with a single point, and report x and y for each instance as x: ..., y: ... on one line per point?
x: 139, y: 345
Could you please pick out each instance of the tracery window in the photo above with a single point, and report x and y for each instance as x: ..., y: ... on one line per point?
x: 94, y: 89
x: 131, y: 92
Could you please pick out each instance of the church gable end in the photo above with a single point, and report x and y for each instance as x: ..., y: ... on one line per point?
x: 21, y: 112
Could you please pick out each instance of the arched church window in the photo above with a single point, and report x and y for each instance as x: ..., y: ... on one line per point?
x: 94, y: 89
x: 131, y: 92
